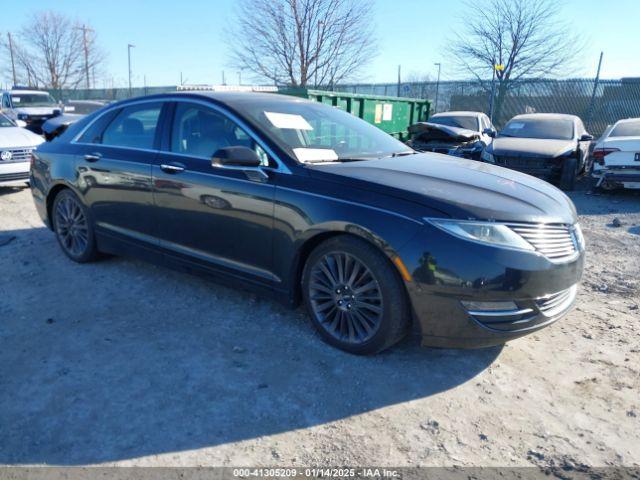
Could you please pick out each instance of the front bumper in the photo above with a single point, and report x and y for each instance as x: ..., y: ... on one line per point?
x: 35, y: 122
x: 621, y: 177
x: 13, y: 172
x: 446, y: 271
x: 544, y: 167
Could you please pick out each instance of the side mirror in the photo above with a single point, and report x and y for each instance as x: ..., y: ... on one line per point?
x: 235, y: 157
x: 490, y: 131
x: 585, y: 137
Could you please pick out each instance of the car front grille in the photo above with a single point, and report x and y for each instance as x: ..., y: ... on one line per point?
x: 10, y: 177
x: 521, y: 162
x: 556, y: 303
x: 17, y: 155
x: 557, y: 242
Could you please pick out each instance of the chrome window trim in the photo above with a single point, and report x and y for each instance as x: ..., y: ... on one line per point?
x: 281, y: 166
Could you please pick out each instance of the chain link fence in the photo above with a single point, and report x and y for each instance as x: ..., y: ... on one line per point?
x: 598, y: 102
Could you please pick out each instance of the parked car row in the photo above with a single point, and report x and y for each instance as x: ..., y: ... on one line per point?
x: 552, y: 146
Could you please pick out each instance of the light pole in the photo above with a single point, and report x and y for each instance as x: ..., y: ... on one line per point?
x: 129, y: 47
x: 85, y: 43
x: 435, y: 106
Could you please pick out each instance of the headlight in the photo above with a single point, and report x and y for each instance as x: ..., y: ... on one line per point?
x: 483, y: 232
x: 487, y: 157
x: 471, y: 147
x: 23, y: 116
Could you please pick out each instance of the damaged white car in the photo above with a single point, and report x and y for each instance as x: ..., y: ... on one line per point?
x: 617, y: 156
x: 462, y: 134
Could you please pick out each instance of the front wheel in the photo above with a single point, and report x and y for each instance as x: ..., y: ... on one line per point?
x: 73, y: 228
x: 568, y: 174
x: 354, y: 296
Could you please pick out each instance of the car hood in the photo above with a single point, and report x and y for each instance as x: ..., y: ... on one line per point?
x: 36, y: 110
x: 460, y: 188
x: 66, y: 119
x: 433, y: 131
x: 12, y: 137
x: 531, y: 147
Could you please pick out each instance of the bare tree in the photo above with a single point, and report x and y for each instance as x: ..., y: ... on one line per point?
x: 54, y: 51
x: 525, y: 37
x: 303, y: 42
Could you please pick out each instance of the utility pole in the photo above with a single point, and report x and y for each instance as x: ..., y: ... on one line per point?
x: 435, y: 106
x: 595, y: 89
x: 224, y: 82
x: 13, y: 64
x: 315, y: 81
x: 85, y: 42
x: 399, y: 80
x: 129, y: 47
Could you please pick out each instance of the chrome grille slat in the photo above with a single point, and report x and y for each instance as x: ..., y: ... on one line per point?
x: 17, y: 155
x: 557, y: 303
x: 554, y: 241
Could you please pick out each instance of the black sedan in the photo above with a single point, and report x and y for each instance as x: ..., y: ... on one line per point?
x: 549, y: 145
x: 304, y: 201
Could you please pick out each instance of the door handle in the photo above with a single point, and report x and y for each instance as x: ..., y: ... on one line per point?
x: 92, y: 157
x: 170, y: 168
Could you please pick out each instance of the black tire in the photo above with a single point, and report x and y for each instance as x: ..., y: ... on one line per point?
x: 569, y: 173
x: 73, y: 227
x: 369, y: 326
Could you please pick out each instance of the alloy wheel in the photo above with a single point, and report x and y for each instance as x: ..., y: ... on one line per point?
x: 345, y: 297
x: 71, y: 226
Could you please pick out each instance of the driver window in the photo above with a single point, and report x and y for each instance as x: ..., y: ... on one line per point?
x: 199, y: 131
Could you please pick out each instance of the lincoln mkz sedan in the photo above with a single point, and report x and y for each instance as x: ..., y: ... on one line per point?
x: 303, y: 201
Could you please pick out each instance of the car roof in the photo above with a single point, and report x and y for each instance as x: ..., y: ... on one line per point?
x: 547, y: 116
x: 230, y: 99
x: 625, y: 120
x: 458, y: 113
x: 30, y: 92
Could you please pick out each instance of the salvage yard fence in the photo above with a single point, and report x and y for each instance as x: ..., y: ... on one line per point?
x: 598, y: 102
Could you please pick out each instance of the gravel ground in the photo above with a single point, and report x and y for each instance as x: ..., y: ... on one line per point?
x: 124, y: 363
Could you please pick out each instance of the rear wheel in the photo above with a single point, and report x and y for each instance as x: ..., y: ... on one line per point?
x: 354, y: 296
x: 569, y: 173
x: 73, y: 228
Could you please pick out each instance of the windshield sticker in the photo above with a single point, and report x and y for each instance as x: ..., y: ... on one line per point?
x: 311, y: 155
x: 15, y: 99
x: 516, y: 126
x: 286, y: 120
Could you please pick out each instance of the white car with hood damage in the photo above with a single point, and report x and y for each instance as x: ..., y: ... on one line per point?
x: 16, y: 145
x: 616, y: 156
x: 33, y: 107
x: 461, y: 134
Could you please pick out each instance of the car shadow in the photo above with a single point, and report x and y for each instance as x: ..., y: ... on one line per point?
x: 599, y: 202
x: 120, y: 359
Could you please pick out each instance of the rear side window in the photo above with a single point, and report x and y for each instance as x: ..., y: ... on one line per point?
x: 626, y: 129
x: 133, y: 127
x: 93, y: 134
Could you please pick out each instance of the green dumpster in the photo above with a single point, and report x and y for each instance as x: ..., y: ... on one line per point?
x: 391, y: 114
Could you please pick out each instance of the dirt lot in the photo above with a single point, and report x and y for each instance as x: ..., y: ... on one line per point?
x: 121, y: 362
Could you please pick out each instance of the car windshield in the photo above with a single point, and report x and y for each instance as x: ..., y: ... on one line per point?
x: 315, y: 133
x: 546, y: 128
x: 458, y: 121
x: 626, y: 129
x: 5, y: 122
x: 32, y: 100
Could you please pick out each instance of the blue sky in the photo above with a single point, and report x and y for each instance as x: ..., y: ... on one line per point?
x: 188, y: 36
